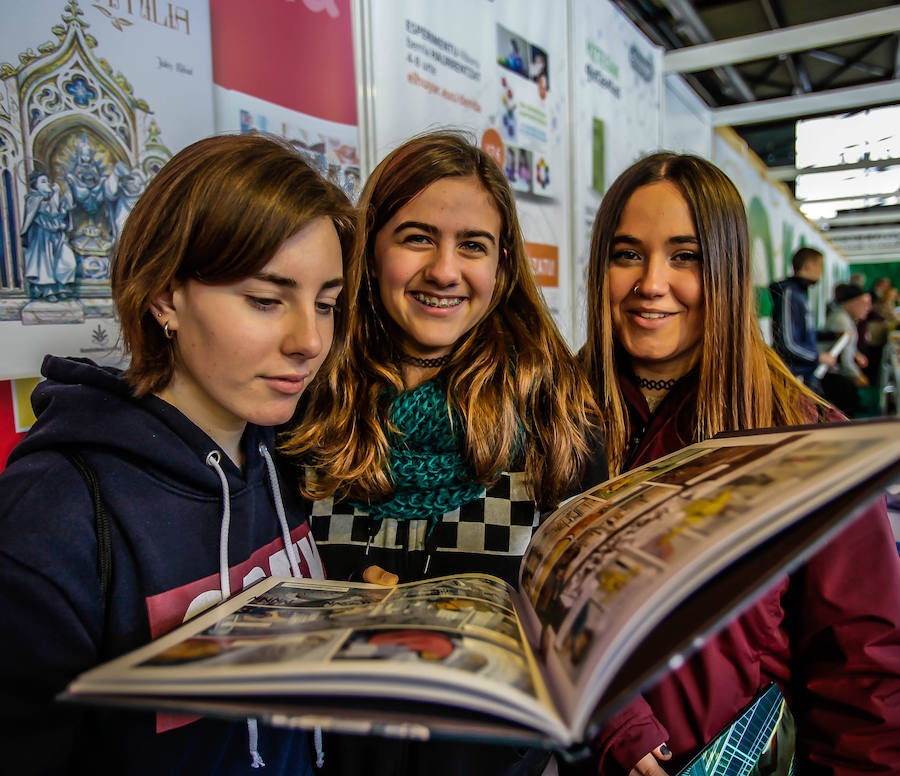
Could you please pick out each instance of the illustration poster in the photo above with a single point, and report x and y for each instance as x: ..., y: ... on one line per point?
x: 616, y: 107
x: 290, y: 73
x: 94, y: 99
x: 497, y: 70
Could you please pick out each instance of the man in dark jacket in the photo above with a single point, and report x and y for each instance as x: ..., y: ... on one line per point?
x: 793, y: 329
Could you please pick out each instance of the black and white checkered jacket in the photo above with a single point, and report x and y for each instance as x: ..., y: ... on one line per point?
x: 487, y: 535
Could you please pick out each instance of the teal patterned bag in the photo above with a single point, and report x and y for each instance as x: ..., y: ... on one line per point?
x: 760, y: 740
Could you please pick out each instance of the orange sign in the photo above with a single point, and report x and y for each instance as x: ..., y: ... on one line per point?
x: 492, y: 143
x: 545, y: 263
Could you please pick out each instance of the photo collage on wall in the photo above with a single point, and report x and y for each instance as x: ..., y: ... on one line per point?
x: 334, y: 157
x: 524, y: 86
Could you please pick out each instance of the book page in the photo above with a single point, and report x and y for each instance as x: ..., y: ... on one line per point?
x: 453, y: 640
x: 612, y: 562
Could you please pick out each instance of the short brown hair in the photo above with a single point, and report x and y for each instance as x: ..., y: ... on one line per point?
x: 805, y: 255
x: 216, y: 212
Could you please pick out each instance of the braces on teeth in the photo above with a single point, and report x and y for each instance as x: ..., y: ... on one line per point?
x: 437, y: 302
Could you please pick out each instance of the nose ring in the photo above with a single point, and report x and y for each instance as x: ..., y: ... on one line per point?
x: 635, y: 289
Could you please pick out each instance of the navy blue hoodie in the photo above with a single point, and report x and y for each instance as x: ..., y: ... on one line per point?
x: 166, y: 505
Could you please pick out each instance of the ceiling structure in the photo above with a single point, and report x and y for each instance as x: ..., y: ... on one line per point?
x: 760, y: 65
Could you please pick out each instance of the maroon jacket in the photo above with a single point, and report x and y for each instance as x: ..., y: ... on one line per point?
x: 828, y: 635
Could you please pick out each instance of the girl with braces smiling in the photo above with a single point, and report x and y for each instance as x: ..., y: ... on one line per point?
x: 457, y: 414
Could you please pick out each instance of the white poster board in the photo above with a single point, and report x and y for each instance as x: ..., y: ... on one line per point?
x: 498, y: 70
x: 616, y: 85
x: 94, y: 98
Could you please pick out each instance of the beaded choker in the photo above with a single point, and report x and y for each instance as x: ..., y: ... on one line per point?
x: 427, y: 363
x: 656, y: 385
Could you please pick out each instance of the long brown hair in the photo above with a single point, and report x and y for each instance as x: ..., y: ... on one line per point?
x: 216, y: 212
x: 511, y: 373
x: 742, y: 383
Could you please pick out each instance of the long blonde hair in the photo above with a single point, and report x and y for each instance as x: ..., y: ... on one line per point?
x: 742, y: 383
x: 512, y: 373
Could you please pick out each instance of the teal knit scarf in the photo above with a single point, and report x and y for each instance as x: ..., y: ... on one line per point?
x: 427, y: 467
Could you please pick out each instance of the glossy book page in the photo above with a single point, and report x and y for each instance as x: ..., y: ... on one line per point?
x: 451, y: 640
x: 608, y: 566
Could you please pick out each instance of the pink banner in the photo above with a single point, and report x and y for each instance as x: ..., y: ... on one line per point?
x: 294, y: 53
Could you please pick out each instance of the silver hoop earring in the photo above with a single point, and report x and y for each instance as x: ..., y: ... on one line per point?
x: 169, y: 334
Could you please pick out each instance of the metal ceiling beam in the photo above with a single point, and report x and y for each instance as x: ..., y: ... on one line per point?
x: 870, y: 232
x: 858, y: 57
x: 878, y: 195
x: 856, y: 219
x: 789, y: 173
x: 862, y: 67
x: 684, y: 13
x: 872, y: 253
x: 830, y: 101
x: 860, y: 258
x: 801, y: 37
x: 897, y: 59
x: 795, y: 67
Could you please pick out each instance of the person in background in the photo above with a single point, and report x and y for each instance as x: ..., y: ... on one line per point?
x: 842, y: 382
x: 879, y: 287
x: 675, y: 355
x: 886, y: 305
x: 858, y: 279
x: 457, y: 413
x: 793, y: 327
x: 226, y: 282
x: 881, y: 320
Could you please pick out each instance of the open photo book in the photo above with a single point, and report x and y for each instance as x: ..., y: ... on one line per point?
x: 620, y: 583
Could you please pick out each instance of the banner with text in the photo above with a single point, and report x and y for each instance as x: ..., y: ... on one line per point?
x: 617, y: 84
x: 497, y: 69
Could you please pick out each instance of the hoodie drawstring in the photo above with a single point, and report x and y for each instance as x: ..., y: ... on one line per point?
x: 291, y: 551
x: 279, y: 510
x: 253, y: 743
x: 213, y: 460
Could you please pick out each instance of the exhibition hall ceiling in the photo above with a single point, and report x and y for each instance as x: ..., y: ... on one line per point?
x: 762, y: 65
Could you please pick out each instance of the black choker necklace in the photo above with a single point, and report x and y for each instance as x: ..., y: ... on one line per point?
x: 657, y: 385
x: 427, y: 363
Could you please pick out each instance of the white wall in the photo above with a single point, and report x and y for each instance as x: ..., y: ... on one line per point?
x: 686, y: 121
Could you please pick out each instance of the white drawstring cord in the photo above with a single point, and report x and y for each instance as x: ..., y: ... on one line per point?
x: 253, y: 735
x: 279, y: 510
x: 320, y: 750
x: 291, y: 551
x: 212, y: 460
